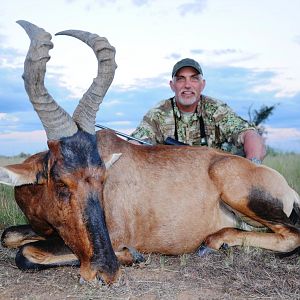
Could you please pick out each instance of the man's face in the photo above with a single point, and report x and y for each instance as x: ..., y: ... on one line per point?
x: 187, y: 85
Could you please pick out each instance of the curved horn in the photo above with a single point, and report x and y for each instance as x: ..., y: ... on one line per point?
x: 57, y: 123
x: 85, y: 113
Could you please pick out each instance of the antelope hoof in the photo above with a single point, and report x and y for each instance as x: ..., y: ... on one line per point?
x: 95, y: 282
x: 224, y: 246
x: 137, y: 257
x: 205, y: 250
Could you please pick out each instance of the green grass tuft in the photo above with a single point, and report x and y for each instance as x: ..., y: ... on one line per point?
x: 10, y: 213
x: 288, y: 165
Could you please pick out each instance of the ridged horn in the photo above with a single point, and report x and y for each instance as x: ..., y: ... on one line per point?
x: 57, y: 122
x: 85, y: 113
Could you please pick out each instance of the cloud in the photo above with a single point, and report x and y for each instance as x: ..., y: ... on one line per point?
x: 36, y: 135
x: 12, y: 93
x: 174, y: 56
x: 8, y: 118
x: 13, y: 97
x: 216, y: 52
x: 140, y: 2
x: 297, y: 39
x: 274, y: 85
x: 16, y: 142
x: 223, y: 57
x: 197, y: 51
x: 225, y: 51
x: 11, y: 58
x: 111, y: 102
x: 195, y: 7
x: 284, y: 139
x: 118, y: 123
x: 277, y: 134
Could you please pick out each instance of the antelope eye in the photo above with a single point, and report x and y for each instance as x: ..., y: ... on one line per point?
x: 62, y: 191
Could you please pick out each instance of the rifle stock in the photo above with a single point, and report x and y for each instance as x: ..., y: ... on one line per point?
x: 171, y: 141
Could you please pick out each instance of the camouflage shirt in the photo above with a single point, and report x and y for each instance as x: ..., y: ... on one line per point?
x: 222, y: 126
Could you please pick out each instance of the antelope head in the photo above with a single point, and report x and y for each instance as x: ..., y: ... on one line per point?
x: 60, y: 190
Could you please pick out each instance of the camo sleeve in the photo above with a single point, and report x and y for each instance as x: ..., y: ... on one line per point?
x: 149, y: 128
x: 230, y: 124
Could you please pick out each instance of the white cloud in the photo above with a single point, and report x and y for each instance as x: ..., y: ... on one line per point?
x: 279, y: 134
x: 290, y: 88
x: 16, y: 142
x: 192, y: 7
x: 118, y: 123
x: 112, y: 102
x: 25, y: 136
x: 284, y: 139
x: 8, y: 117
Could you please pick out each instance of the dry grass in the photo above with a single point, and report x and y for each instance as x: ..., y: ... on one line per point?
x: 237, y: 274
x: 9, y: 160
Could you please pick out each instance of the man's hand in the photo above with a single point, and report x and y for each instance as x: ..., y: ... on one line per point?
x: 254, y: 146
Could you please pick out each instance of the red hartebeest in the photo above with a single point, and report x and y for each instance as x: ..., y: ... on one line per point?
x: 98, y: 200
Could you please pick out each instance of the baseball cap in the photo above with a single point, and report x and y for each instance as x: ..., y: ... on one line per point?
x: 186, y: 62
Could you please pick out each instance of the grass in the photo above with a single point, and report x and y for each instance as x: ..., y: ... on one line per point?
x: 10, y: 214
x: 287, y: 164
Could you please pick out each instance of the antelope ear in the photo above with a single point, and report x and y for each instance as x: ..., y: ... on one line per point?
x: 113, y: 158
x: 19, y: 174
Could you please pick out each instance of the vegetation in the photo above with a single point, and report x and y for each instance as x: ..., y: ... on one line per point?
x: 287, y: 164
x: 257, y: 117
x: 10, y: 214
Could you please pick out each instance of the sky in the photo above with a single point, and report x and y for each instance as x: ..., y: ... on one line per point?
x: 248, y: 50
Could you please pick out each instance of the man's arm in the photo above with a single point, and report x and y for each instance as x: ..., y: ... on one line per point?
x: 145, y: 131
x: 254, y: 146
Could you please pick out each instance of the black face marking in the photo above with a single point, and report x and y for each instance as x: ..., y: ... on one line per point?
x: 295, y: 215
x: 104, y: 255
x: 44, y: 173
x: 265, y: 206
x: 39, y: 176
x: 80, y: 151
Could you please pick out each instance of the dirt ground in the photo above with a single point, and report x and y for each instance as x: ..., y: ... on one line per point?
x: 240, y: 273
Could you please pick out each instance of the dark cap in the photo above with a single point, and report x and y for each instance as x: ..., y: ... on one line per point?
x: 186, y: 62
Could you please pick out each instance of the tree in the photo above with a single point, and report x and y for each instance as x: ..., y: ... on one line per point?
x: 258, y: 117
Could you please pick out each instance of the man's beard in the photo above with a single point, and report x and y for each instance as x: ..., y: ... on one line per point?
x: 187, y: 101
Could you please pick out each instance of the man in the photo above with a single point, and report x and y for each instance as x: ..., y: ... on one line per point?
x: 196, y: 119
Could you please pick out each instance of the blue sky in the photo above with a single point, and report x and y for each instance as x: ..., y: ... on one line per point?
x: 248, y: 49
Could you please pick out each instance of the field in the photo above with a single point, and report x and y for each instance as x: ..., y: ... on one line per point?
x: 10, y: 214
x: 240, y: 273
